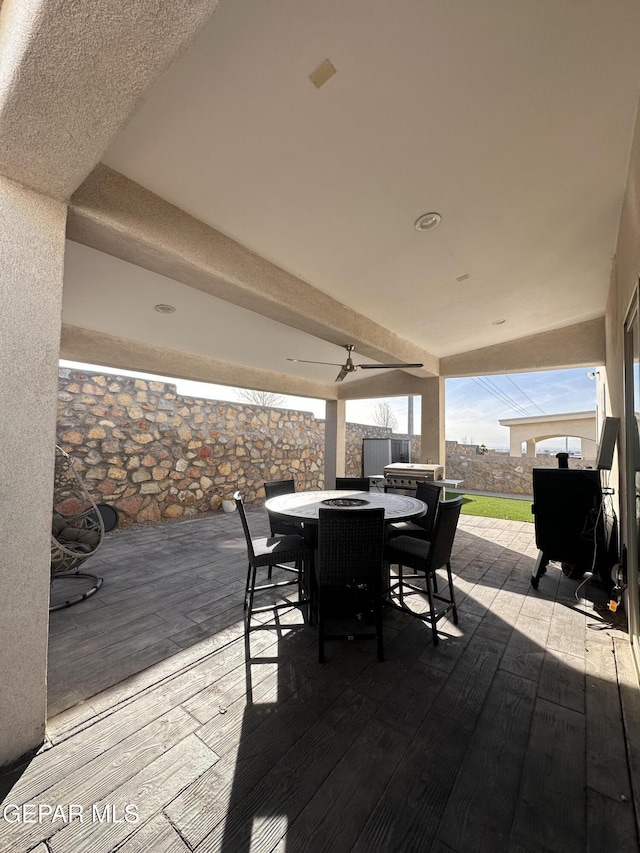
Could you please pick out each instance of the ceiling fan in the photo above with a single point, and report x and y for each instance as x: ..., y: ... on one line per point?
x: 349, y: 366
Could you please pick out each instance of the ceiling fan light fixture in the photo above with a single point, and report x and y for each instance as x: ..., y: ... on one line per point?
x: 349, y: 366
x: 427, y: 222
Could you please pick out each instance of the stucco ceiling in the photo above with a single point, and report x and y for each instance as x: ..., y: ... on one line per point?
x: 513, y: 120
x: 113, y: 297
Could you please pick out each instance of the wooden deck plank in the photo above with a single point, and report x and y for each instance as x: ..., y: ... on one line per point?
x: 240, y: 727
x: 567, y: 628
x: 156, y: 836
x: 562, y: 680
x: 607, y: 770
x: 183, y: 660
x: 524, y: 654
x: 420, y: 787
x: 272, y: 728
x: 98, y: 679
x: 256, y: 819
x: 67, y: 651
x: 97, y: 779
x: 611, y: 824
x: 410, y: 700
x: 336, y: 812
x: 149, y: 790
x: 630, y: 700
x: 483, y: 801
x: 551, y: 813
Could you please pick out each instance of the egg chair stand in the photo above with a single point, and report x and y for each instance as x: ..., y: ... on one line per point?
x: 77, y: 530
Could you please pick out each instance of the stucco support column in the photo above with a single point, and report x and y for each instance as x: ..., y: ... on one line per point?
x: 32, y: 250
x: 515, y: 442
x: 432, y: 445
x: 335, y: 434
x: 531, y: 447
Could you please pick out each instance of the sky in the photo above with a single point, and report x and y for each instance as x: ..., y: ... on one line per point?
x: 474, y: 405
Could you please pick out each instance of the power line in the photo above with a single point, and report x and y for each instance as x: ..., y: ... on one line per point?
x: 500, y: 396
x: 507, y: 396
x: 524, y: 394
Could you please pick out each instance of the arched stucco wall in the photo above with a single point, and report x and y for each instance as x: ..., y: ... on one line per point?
x: 580, y: 425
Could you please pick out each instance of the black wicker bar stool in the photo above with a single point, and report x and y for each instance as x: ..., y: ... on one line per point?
x: 426, y: 558
x: 271, y: 552
x: 350, y: 557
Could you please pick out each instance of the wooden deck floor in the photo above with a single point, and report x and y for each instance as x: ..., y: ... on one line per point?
x: 506, y: 737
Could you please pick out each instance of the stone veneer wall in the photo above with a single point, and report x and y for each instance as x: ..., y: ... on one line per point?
x: 498, y: 472
x: 153, y: 454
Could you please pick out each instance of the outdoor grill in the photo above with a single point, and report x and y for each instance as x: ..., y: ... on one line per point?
x: 407, y: 475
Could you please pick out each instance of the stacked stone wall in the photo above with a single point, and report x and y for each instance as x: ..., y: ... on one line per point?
x: 498, y: 472
x: 153, y: 454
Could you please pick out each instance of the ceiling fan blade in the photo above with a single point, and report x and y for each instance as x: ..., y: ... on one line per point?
x: 304, y: 361
x: 378, y: 366
x: 341, y: 375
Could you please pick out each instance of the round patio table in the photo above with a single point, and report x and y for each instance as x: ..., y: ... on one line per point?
x: 305, y: 506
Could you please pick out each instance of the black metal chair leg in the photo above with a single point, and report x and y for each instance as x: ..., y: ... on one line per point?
x: 454, y: 609
x: 246, y: 587
x: 320, y: 627
x: 252, y: 587
x: 378, y: 617
x: 432, y: 612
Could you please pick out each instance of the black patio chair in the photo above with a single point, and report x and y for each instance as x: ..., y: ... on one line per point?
x: 279, y: 526
x: 350, y: 561
x: 426, y: 558
x: 421, y: 528
x: 357, y: 484
x: 270, y: 552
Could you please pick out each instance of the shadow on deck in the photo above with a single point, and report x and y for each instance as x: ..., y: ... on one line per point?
x: 507, y: 736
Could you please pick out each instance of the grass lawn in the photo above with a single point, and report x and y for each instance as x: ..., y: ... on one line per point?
x: 514, y: 510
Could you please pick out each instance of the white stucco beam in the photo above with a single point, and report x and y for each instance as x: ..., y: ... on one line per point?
x: 550, y: 419
x: 93, y: 347
x: 71, y: 74
x: 577, y: 345
x: 115, y: 215
x: 391, y: 383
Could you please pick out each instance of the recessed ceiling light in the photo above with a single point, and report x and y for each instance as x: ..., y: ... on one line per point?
x: 463, y: 277
x: 427, y: 222
x: 498, y: 322
x: 164, y: 309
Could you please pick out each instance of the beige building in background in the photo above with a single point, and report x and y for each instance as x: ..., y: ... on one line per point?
x: 532, y: 430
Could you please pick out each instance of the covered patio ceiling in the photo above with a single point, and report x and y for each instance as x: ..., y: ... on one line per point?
x: 278, y: 218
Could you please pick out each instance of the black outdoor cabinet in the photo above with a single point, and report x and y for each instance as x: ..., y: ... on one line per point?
x: 569, y: 521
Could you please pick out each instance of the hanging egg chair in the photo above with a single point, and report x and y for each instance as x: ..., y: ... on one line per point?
x: 77, y: 531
